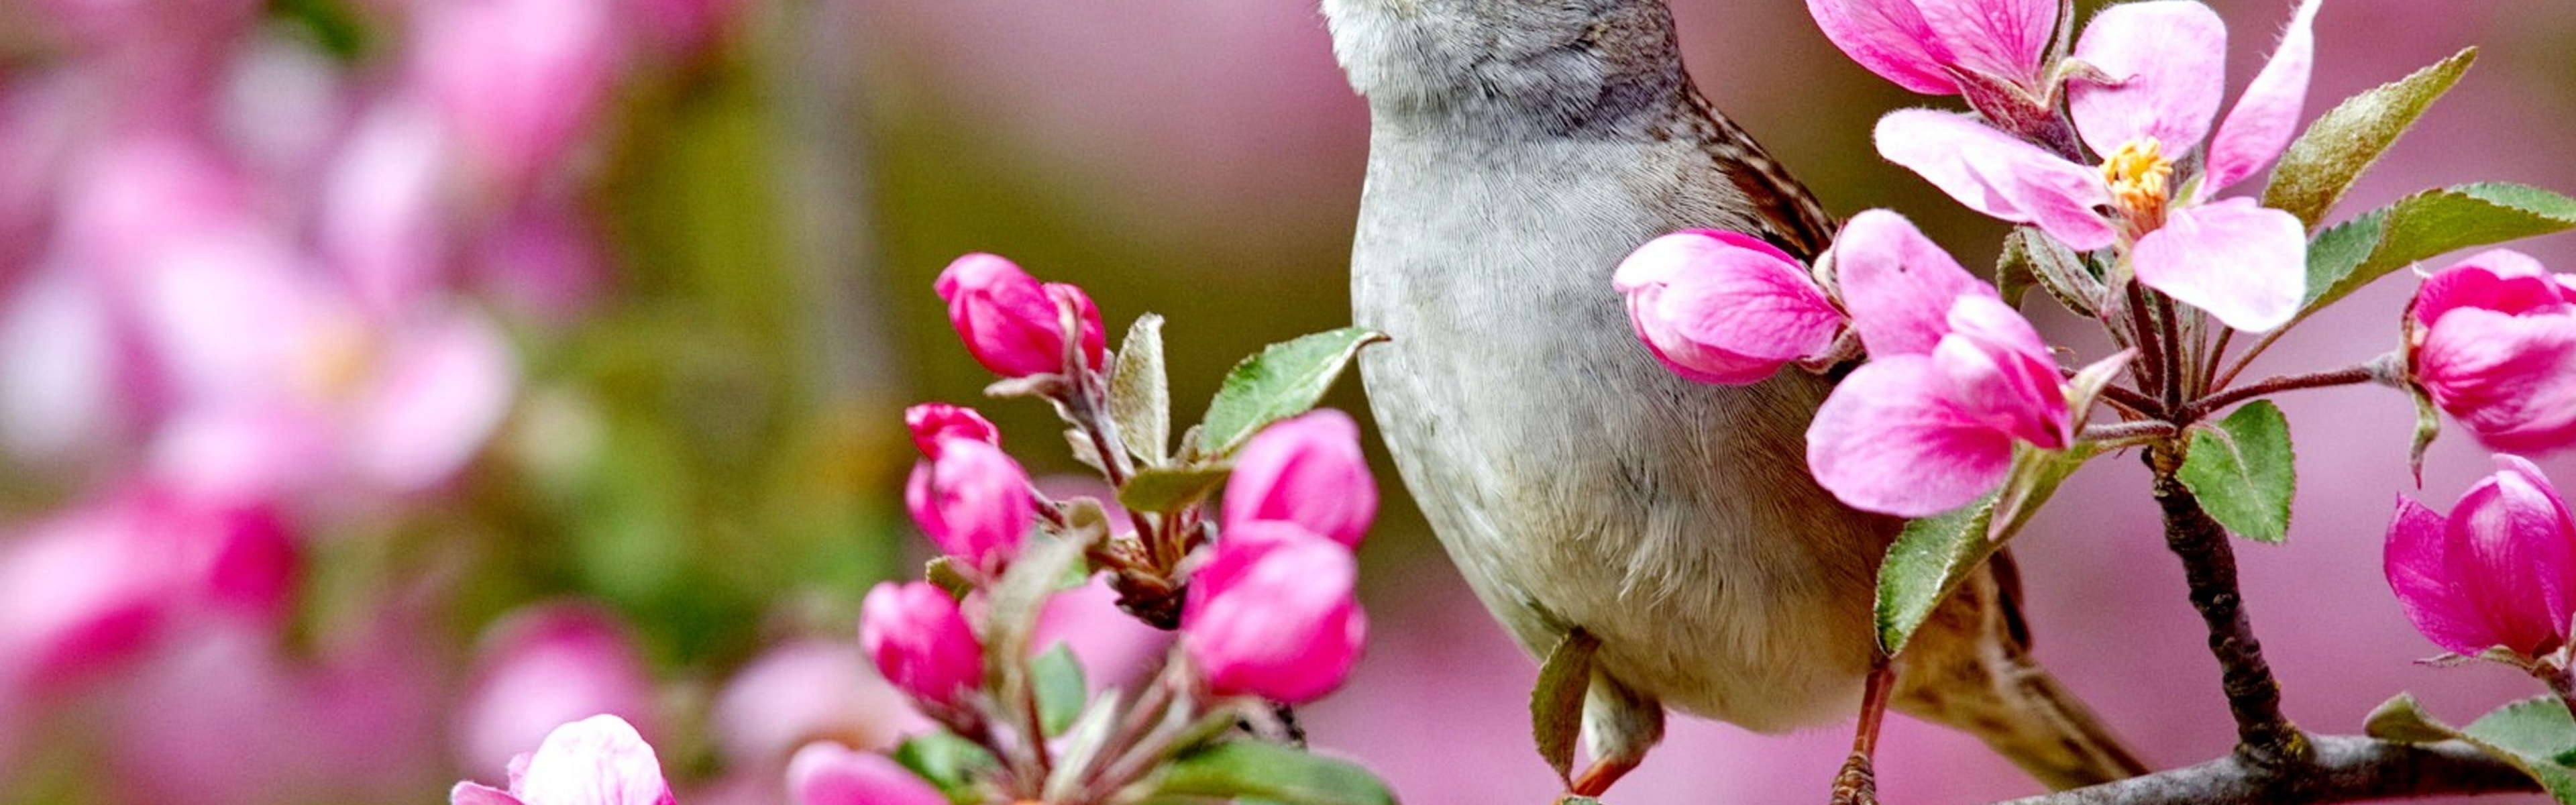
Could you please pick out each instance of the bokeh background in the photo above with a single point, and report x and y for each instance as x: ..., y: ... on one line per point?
x: 385, y: 381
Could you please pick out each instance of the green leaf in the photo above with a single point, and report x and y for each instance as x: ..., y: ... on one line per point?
x: 2323, y: 163
x: 1060, y: 687
x: 1285, y: 380
x: 1556, y: 704
x: 1932, y: 557
x: 942, y: 572
x: 947, y: 761
x: 2535, y: 735
x: 1140, y: 391
x: 1255, y: 770
x: 2241, y: 470
x: 1163, y: 489
x: 2428, y: 426
x: 2033, y: 259
x: 2349, y: 255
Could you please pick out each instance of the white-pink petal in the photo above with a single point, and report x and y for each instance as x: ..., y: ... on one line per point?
x: 1898, y: 284
x: 1999, y: 175
x: 2268, y: 113
x: 1890, y: 38
x: 441, y: 392
x: 2169, y: 59
x: 2003, y: 38
x: 598, y: 760
x: 1887, y: 442
x: 2244, y: 263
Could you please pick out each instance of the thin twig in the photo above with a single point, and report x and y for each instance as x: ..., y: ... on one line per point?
x: 2217, y: 354
x: 2247, y: 359
x: 2347, y: 376
x: 2344, y: 769
x: 2128, y: 434
x: 2265, y: 737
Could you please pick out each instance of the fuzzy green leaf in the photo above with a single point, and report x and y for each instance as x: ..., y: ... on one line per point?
x: 1254, y: 770
x: 2241, y: 470
x: 1140, y: 391
x: 2403, y: 720
x: 1060, y: 688
x: 2333, y: 152
x: 2031, y: 259
x: 1163, y: 489
x: 1284, y: 380
x: 949, y: 762
x: 1931, y: 558
x: 2535, y: 735
x: 1556, y: 704
x: 2349, y: 255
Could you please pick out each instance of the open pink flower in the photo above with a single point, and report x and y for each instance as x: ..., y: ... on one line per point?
x: 2493, y: 340
x: 1723, y: 307
x: 1955, y: 377
x: 2499, y: 571
x: 2243, y: 263
x: 1922, y: 45
x: 1273, y: 615
x: 1309, y: 471
x: 595, y: 761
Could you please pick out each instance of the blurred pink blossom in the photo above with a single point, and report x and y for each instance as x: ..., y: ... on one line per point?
x: 804, y: 691
x: 825, y: 773
x: 2493, y: 340
x: 1722, y: 307
x: 96, y: 584
x: 518, y: 81
x: 595, y: 761
x: 1114, y: 648
x: 1012, y: 323
x: 543, y: 666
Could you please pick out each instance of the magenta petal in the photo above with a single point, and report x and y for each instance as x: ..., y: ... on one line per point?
x: 1885, y: 442
x: 1999, y: 175
x: 2244, y: 263
x: 2509, y: 550
x: 595, y: 761
x: 1898, y: 284
x: 2169, y: 58
x: 2268, y: 113
x: 2510, y: 379
x: 1994, y: 368
x: 1891, y: 38
x: 825, y: 773
x: 480, y: 794
x: 2418, y: 571
x: 2003, y: 38
x: 2502, y: 280
x: 1769, y: 311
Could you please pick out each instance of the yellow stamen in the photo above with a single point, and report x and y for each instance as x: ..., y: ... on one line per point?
x: 2140, y: 178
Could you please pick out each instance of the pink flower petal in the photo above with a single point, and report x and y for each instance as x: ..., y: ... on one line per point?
x: 2170, y: 60
x: 2003, y: 38
x: 1891, y: 38
x: 2418, y: 570
x: 1993, y: 366
x: 2244, y: 263
x: 480, y: 794
x: 2510, y: 551
x: 1306, y: 470
x: 1999, y: 175
x: 2501, y: 280
x: 2268, y: 113
x: 825, y: 773
x: 1898, y: 284
x: 595, y: 761
x: 1886, y: 442
x: 2510, y: 379
x: 444, y: 388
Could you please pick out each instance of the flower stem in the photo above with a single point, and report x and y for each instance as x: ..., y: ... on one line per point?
x: 2347, y: 376
x: 2265, y: 738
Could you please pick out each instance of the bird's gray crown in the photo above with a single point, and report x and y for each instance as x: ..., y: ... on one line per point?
x: 1565, y: 64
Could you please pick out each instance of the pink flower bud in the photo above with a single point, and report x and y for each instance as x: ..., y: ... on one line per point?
x: 825, y: 773
x: 1273, y: 615
x: 1722, y: 307
x: 1307, y: 471
x: 920, y: 641
x: 1010, y: 321
x: 973, y: 501
x: 595, y: 761
x: 543, y: 666
x: 2493, y: 340
x: 2500, y: 570
x: 932, y: 422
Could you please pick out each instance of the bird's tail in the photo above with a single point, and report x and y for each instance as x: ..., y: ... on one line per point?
x: 2043, y: 728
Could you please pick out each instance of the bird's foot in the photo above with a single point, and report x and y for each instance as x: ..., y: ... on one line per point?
x: 1858, y: 782
x: 1596, y: 780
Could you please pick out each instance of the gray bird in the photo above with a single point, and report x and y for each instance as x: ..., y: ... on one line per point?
x: 1518, y: 150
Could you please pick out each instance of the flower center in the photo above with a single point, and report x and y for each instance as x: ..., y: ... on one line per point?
x: 2140, y: 178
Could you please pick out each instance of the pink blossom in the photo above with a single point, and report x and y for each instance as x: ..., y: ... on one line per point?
x: 518, y: 81
x: 2500, y: 570
x: 1955, y: 377
x: 973, y: 501
x: 94, y: 585
x: 1273, y: 614
x: 546, y: 665
x: 2493, y: 340
x: 1919, y: 43
x: 803, y: 691
x: 920, y: 641
x: 595, y: 761
x: 932, y: 422
x: 826, y: 773
x: 1723, y: 307
x: 546, y: 260
x: 1309, y: 471
x: 2243, y: 263
x: 1012, y: 323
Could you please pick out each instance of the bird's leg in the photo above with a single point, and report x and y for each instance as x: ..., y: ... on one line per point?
x: 1858, y: 782
x: 1596, y: 779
